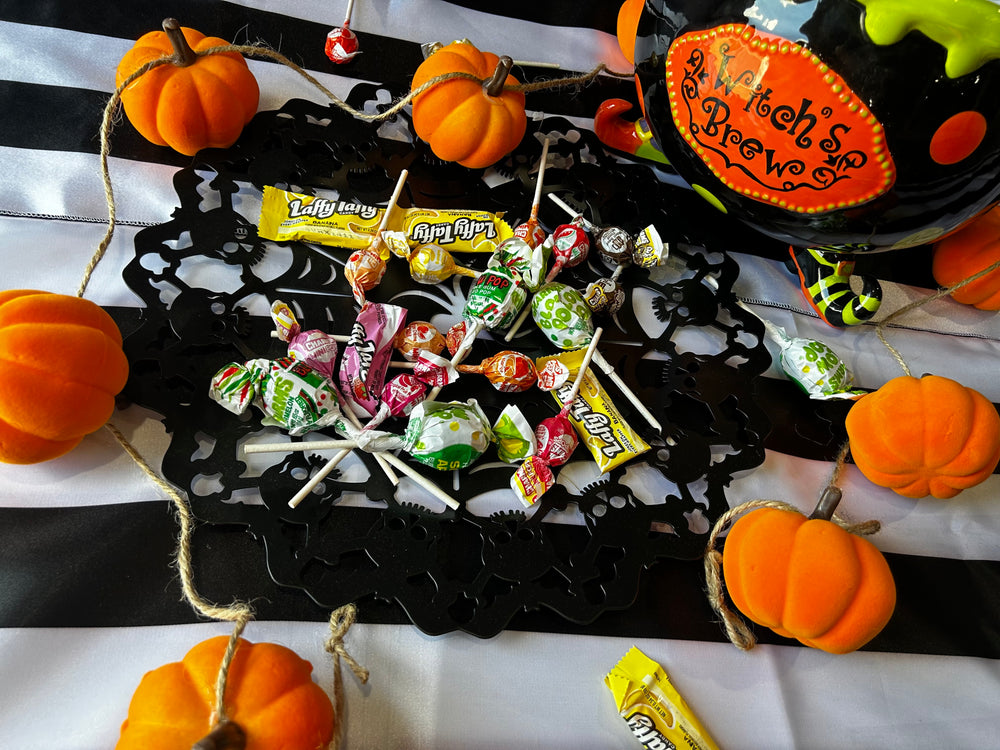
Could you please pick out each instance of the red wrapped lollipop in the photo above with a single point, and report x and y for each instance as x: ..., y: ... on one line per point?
x: 556, y: 438
x: 342, y: 43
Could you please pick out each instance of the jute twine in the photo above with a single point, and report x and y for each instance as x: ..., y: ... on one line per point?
x: 241, y: 613
x: 736, y: 629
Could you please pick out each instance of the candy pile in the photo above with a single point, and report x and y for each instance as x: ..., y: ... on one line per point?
x: 314, y: 386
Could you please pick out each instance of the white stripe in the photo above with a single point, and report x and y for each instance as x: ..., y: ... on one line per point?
x: 466, y: 696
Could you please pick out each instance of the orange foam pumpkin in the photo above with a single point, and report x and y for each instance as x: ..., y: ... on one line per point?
x: 464, y: 121
x: 924, y: 436
x: 628, y: 22
x: 971, y: 249
x: 61, y: 366
x: 269, y: 694
x: 193, y: 102
x: 808, y: 579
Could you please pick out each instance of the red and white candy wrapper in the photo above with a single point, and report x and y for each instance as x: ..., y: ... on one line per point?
x: 419, y: 336
x: 570, y: 247
x: 552, y: 376
x: 364, y: 270
x: 434, y: 370
x: 455, y: 336
x: 532, y: 479
x: 557, y: 440
x: 399, y: 396
x: 341, y: 44
x: 291, y: 394
x: 316, y: 348
x: 508, y: 371
x: 366, y: 356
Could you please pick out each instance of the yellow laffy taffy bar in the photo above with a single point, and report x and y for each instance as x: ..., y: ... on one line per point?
x: 287, y: 216
x: 655, y: 712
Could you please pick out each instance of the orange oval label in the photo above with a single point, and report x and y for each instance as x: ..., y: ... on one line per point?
x: 775, y: 123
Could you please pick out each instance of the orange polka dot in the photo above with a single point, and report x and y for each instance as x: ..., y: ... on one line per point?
x: 958, y: 137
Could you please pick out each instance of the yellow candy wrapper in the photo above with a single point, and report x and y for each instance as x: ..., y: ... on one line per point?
x: 597, y: 420
x: 287, y: 216
x: 655, y: 712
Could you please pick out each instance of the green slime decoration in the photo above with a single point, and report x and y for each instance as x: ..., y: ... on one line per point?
x: 968, y: 29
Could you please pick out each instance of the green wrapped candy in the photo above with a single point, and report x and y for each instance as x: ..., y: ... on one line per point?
x: 496, y: 298
x: 813, y: 365
x: 447, y: 435
x: 513, y: 435
x: 563, y: 316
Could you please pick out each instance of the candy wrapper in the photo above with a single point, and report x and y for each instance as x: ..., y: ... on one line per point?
x: 366, y: 356
x: 432, y: 264
x: 604, y: 296
x: 364, y: 270
x: 570, y: 247
x: 447, y: 435
x: 649, y: 703
x: 398, y: 399
x: 496, y: 298
x: 316, y: 348
x: 562, y: 315
x: 507, y: 371
x: 341, y: 44
x: 514, y: 438
x: 610, y: 440
x: 529, y: 262
x: 813, y: 365
x: 419, y: 336
x: 291, y: 394
x: 649, y: 250
x: 287, y: 216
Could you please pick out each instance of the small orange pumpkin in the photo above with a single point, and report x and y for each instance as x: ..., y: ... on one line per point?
x: 270, y: 695
x: 924, y: 436
x: 808, y: 579
x: 628, y: 23
x: 61, y: 366
x: 464, y: 121
x: 964, y: 253
x: 194, y: 102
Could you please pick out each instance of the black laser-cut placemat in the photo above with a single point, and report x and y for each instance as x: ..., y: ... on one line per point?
x: 200, y: 273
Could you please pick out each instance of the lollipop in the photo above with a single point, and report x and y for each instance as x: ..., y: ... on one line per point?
x: 528, y: 261
x: 399, y: 396
x: 342, y: 43
x: 508, y: 371
x: 416, y: 336
x: 443, y: 435
x: 432, y: 264
x: 556, y: 440
x: 615, y: 246
x: 570, y: 246
x: 316, y: 348
x: 563, y: 316
x: 365, y: 267
x: 530, y: 232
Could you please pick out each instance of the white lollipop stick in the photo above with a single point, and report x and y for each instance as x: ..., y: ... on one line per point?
x: 338, y: 337
x: 423, y: 481
x: 389, y: 207
x: 578, y: 382
x: 302, y: 447
x: 608, y: 370
x: 518, y: 323
x: 565, y: 207
x: 320, y: 475
x: 350, y: 9
x: 533, y: 220
x: 461, y: 353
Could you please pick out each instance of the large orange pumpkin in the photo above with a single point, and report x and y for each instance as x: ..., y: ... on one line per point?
x: 464, y: 121
x: 193, y: 102
x: 61, y: 366
x: 971, y: 249
x: 808, y: 579
x: 924, y: 436
x: 269, y: 694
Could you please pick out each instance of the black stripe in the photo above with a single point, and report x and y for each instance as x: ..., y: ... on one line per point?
x: 109, y: 566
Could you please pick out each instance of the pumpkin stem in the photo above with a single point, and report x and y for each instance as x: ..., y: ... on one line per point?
x: 227, y: 735
x: 827, y: 504
x: 494, y: 86
x: 183, y: 54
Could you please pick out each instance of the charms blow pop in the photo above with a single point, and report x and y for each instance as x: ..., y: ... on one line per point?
x: 316, y: 348
x: 570, y: 247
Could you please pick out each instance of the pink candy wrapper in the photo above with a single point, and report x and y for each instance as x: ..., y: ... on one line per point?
x: 316, y: 348
x: 366, y: 356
